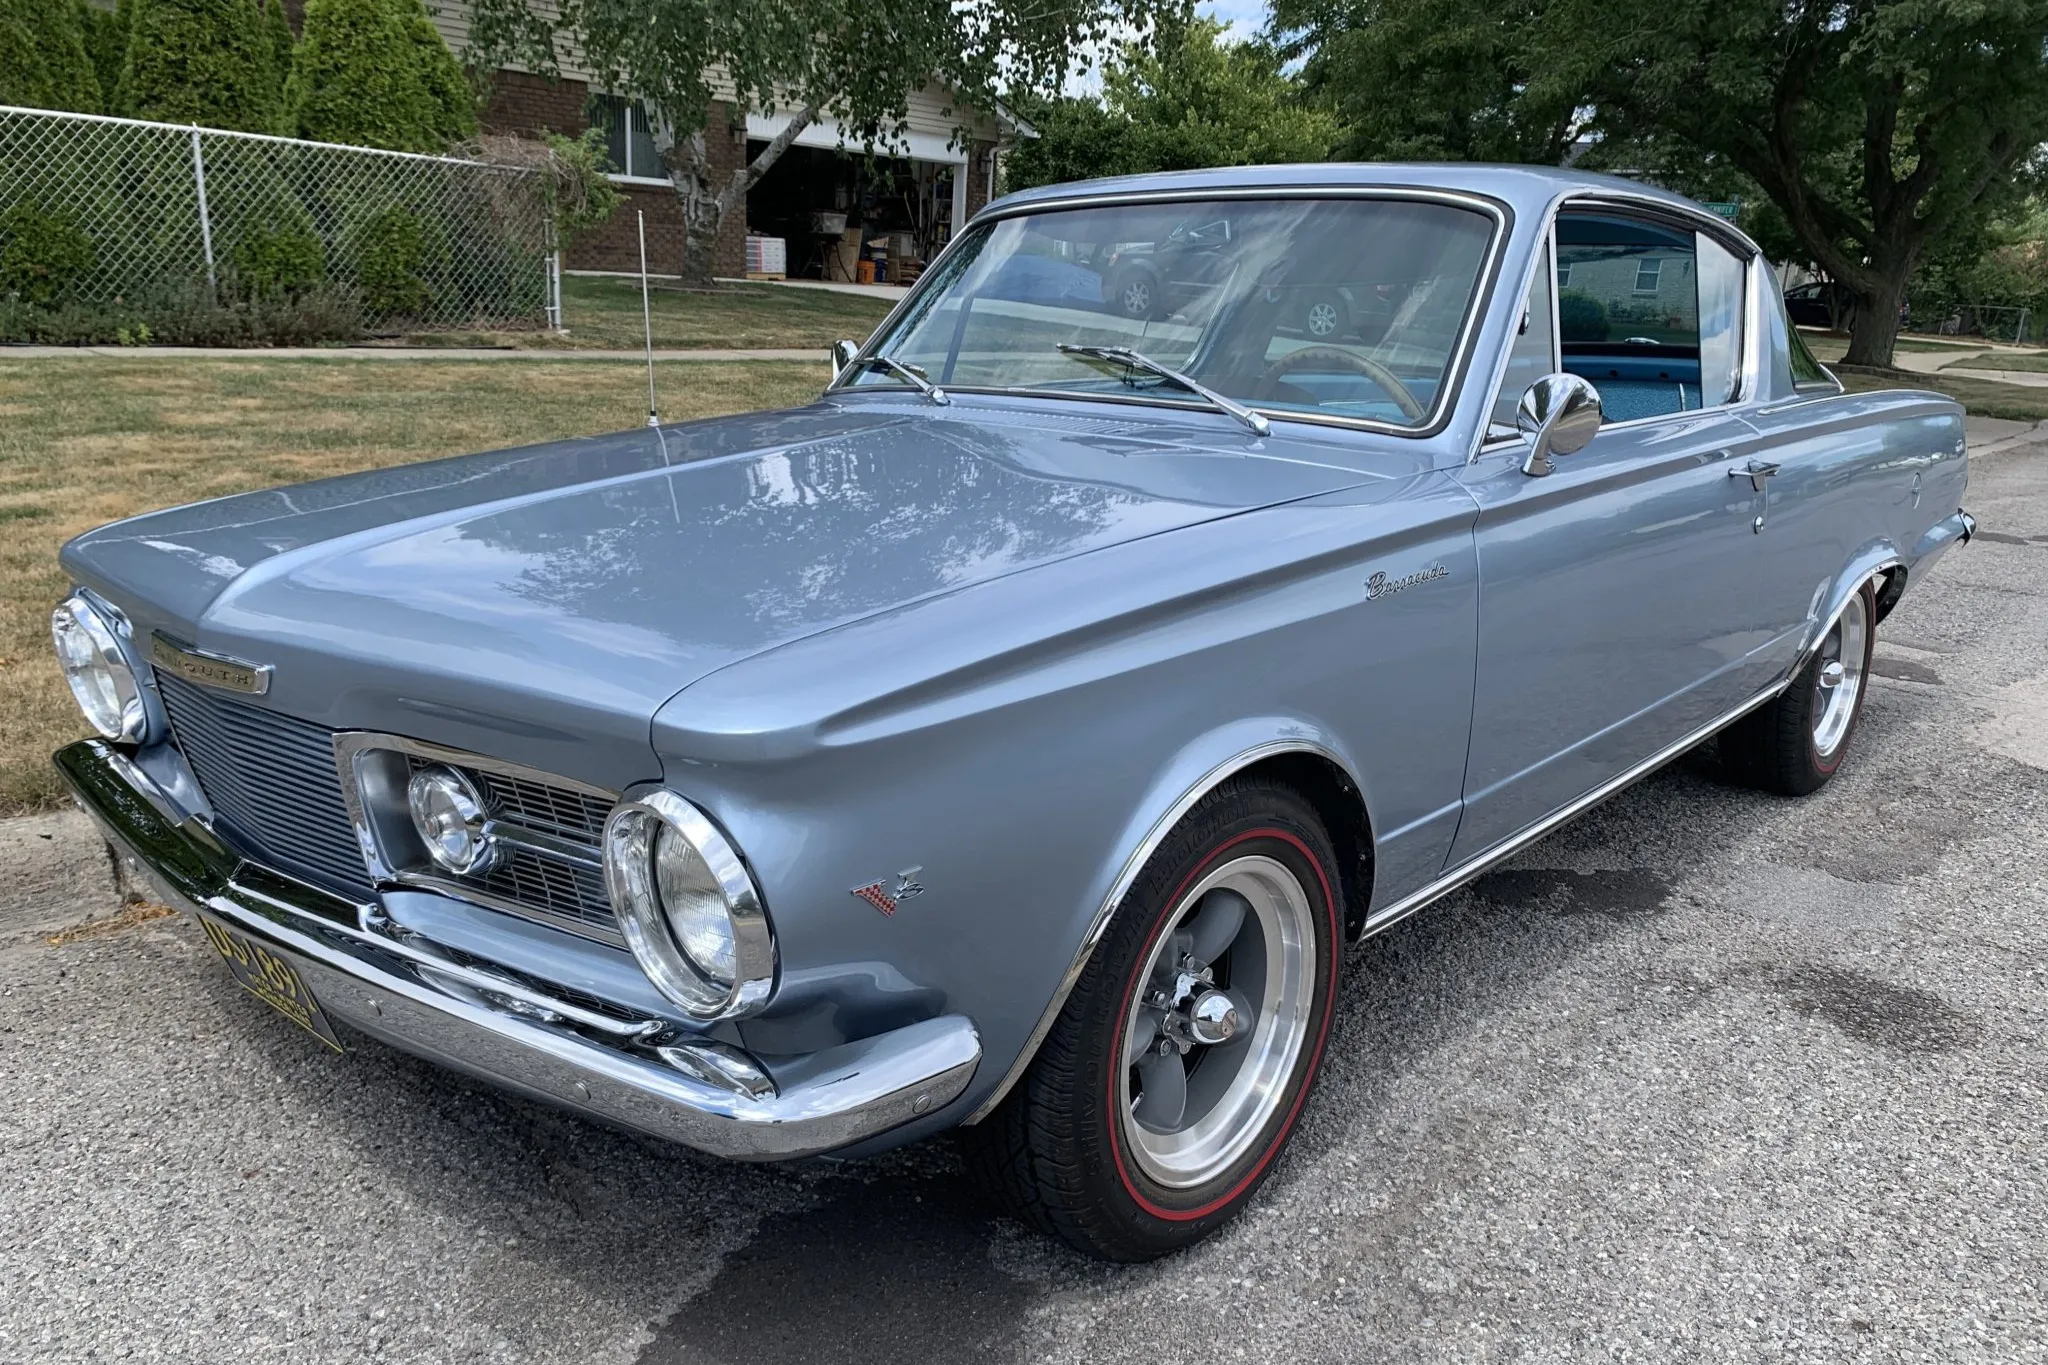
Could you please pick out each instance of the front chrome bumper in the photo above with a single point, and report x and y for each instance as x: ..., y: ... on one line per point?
x: 635, y: 1072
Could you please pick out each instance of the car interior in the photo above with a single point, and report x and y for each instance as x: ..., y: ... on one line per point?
x: 1628, y: 311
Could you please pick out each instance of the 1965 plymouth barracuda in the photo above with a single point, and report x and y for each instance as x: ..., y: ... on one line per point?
x: 1012, y: 739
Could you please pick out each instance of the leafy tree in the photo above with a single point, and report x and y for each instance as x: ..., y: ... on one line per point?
x: 377, y: 74
x: 1079, y: 138
x: 855, y: 62
x: 1186, y: 100
x: 1878, y: 129
x: 43, y: 61
x: 199, y: 61
x: 1428, y: 79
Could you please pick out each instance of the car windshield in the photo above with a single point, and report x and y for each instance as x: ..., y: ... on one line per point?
x: 1343, y: 307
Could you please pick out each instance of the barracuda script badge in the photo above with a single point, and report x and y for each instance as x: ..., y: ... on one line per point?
x: 886, y: 901
x: 1379, y: 585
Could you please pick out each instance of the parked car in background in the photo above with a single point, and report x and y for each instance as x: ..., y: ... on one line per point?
x: 1014, y: 739
x: 1146, y: 280
x: 1818, y: 303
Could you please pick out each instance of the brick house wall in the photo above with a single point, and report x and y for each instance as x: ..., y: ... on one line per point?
x: 522, y: 103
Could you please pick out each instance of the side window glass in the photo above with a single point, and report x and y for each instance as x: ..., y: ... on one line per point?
x: 1720, y: 321
x: 1649, y: 313
x: 1531, y: 356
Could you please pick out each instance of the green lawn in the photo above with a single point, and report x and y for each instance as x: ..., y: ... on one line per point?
x: 88, y: 439
x: 603, y: 313
x: 1981, y: 397
x: 2033, y: 362
x: 1830, y: 346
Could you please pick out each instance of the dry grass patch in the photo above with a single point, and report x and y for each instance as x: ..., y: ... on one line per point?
x: 98, y: 438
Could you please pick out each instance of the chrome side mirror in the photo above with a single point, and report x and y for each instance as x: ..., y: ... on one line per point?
x: 1558, y: 414
x: 843, y: 353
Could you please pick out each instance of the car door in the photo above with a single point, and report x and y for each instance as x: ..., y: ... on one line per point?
x: 1613, y: 619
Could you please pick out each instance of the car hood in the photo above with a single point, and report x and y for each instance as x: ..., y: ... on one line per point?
x: 612, y: 572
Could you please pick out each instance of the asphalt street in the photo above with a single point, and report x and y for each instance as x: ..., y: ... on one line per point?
x: 1708, y: 1075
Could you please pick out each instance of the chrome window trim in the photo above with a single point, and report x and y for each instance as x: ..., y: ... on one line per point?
x: 351, y: 744
x: 1456, y: 371
x: 1127, y: 877
x: 1750, y: 373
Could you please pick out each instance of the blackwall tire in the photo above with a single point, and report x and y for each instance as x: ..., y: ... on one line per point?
x: 1796, y: 742
x: 1171, y: 1082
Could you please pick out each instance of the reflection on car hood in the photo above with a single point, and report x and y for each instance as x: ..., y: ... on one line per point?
x: 618, y: 569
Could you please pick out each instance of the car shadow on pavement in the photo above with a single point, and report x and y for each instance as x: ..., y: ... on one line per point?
x: 896, y: 1258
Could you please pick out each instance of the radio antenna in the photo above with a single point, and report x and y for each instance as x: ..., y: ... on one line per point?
x: 647, y: 319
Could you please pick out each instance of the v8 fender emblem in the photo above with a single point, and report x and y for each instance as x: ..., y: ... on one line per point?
x: 885, y: 899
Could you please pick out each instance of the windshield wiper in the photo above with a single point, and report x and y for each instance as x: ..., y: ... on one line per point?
x: 908, y: 373
x: 1130, y: 359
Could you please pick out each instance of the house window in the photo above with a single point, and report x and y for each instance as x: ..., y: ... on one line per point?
x: 628, y: 143
x: 1647, y: 271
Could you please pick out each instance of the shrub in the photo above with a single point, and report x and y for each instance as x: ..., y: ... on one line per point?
x: 43, y: 61
x: 376, y: 73
x: 283, y: 262
x: 1580, y: 316
x: 391, y: 263
x: 42, y: 254
x: 277, y: 29
x: 106, y: 45
x: 185, y: 312
x: 208, y: 62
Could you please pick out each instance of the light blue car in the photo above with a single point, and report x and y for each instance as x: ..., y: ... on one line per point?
x: 1012, y: 739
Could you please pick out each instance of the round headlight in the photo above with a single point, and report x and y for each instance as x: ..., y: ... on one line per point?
x: 95, y: 663
x: 687, y: 906
x: 448, y: 815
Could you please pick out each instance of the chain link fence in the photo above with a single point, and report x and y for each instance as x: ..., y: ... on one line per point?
x: 428, y: 240
x: 2016, y: 323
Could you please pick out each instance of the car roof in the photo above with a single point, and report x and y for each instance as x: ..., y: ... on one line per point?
x: 1522, y: 188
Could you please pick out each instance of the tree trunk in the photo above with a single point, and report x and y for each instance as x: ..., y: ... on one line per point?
x: 1874, y: 329
x: 705, y: 202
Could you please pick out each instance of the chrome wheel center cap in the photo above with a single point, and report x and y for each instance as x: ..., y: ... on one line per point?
x: 1831, y: 674
x: 1214, y: 1019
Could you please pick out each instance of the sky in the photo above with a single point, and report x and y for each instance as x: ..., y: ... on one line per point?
x: 1241, y: 18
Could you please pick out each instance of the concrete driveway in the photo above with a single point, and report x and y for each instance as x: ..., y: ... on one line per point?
x: 1708, y: 1075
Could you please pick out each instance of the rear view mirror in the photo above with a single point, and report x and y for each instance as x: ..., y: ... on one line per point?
x: 1558, y: 414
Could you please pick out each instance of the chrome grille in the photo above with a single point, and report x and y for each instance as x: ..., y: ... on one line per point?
x: 552, y: 810
x: 271, y: 782
x: 554, y: 890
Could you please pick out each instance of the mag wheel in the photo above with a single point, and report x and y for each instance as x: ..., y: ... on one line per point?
x: 1796, y: 742
x: 1179, y: 1065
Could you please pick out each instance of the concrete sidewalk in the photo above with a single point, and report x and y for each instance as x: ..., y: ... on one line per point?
x: 396, y: 353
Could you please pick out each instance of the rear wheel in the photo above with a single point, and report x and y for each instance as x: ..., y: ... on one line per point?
x: 1797, y: 741
x: 1175, y: 1073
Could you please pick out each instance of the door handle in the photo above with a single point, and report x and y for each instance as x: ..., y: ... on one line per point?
x: 1757, y: 473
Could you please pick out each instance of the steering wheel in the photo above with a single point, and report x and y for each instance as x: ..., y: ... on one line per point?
x: 1365, y: 366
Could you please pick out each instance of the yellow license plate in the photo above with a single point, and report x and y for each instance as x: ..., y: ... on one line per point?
x: 270, y: 979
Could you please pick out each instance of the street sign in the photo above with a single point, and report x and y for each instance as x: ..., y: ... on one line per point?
x: 1731, y: 209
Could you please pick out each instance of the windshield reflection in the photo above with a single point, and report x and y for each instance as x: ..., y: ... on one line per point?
x: 1341, y: 307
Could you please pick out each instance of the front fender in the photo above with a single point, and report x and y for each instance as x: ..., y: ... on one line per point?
x: 1190, y: 774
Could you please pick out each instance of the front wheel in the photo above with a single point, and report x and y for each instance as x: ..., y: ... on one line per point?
x: 1797, y: 741
x: 1176, y: 1071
